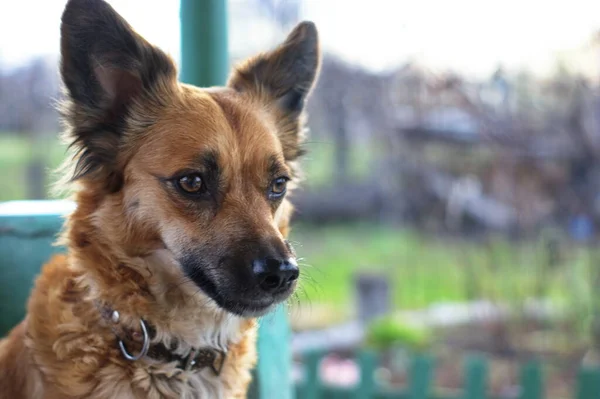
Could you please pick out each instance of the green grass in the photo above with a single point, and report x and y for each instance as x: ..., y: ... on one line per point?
x: 420, y: 272
x: 425, y: 270
x: 15, y: 153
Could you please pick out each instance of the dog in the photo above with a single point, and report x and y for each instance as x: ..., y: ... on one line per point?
x: 178, y: 240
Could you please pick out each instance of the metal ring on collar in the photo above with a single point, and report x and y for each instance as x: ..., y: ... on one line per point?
x: 145, y: 345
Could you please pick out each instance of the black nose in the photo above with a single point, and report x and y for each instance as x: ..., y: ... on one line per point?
x: 275, y: 275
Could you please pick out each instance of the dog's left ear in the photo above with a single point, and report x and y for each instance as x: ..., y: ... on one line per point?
x: 284, y: 78
x: 106, y: 67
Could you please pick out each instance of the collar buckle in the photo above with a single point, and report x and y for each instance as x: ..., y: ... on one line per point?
x: 198, y: 359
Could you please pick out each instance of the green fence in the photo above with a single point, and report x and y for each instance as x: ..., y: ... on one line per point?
x: 420, y: 381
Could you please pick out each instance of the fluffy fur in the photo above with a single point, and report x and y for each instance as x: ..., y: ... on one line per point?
x: 134, y: 241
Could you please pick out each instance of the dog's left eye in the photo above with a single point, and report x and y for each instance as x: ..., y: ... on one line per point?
x: 190, y: 184
x: 278, y: 187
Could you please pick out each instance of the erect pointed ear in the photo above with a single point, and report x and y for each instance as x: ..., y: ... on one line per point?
x: 284, y: 77
x: 105, y: 66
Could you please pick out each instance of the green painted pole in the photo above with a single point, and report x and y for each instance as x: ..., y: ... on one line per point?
x: 204, y: 45
x: 273, y: 371
x: 532, y: 381
x: 476, y: 369
x: 313, y: 387
x: 420, y: 377
x: 588, y: 384
x: 366, y: 387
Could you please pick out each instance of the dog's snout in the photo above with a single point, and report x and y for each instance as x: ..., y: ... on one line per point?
x: 275, y: 275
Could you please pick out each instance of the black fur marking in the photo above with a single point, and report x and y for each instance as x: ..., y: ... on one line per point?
x: 275, y: 168
x: 212, y: 177
x: 194, y: 269
x: 133, y: 206
x: 210, y: 165
x: 293, y: 100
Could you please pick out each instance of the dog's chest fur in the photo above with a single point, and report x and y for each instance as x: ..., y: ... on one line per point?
x: 81, y: 360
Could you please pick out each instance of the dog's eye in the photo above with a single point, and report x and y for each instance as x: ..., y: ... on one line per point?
x: 191, y: 184
x: 278, y: 187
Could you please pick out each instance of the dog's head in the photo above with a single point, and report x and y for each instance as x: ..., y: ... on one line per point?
x: 200, y: 172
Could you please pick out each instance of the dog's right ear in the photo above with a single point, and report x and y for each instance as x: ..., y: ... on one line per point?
x: 105, y: 66
x: 284, y: 78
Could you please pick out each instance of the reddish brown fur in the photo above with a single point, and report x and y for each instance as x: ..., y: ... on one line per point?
x: 125, y: 236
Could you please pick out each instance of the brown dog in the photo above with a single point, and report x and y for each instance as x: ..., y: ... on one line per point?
x: 178, y: 238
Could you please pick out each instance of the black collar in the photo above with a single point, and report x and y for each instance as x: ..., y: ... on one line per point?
x: 197, y: 359
x: 132, y: 340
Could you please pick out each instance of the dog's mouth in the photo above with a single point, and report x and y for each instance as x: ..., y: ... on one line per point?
x: 246, y: 308
x: 237, y: 294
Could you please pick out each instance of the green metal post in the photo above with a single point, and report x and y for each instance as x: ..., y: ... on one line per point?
x: 588, y: 384
x: 420, y: 377
x: 532, y: 381
x: 476, y: 369
x: 204, y: 46
x: 313, y: 387
x: 273, y: 376
x: 366, y: 387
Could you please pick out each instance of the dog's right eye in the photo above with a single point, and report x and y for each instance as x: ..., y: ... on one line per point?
x: 190, y: 184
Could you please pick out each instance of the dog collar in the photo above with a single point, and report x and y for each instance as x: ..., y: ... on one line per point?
x: 196, y: 360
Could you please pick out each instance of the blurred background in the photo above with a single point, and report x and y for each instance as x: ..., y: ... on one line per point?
x: 452, y: 193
